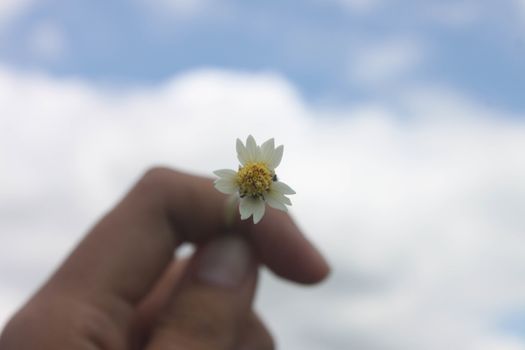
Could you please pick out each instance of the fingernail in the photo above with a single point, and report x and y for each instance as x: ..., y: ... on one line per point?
x: 224, y: 262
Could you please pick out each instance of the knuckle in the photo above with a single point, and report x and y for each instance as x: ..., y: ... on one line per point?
x: 199, y: 324
x: 11, y: 335
x: 202, y: 327
x: 265, y: 342
x: 155, y: 172
x: 153, y: 179
x: 28, y: 326
x: 153, y: 185
x: 268, y: 343
x: 98, y: 327
x: 39, y: 325
x: 257, y: 336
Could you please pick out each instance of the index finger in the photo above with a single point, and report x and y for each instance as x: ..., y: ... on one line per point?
x: 126, y: 252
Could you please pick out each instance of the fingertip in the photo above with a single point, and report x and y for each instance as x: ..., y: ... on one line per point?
x: 315, y: 270
x: 281, y: 245
x: 315, y: 267
x: 319, y: 272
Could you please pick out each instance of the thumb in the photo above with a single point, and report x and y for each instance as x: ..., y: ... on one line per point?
x: 212, y: 302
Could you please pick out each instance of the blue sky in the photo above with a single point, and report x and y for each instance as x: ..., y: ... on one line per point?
x: 321, y: 46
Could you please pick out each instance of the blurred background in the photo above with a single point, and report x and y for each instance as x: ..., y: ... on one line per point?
x: 404, y: 130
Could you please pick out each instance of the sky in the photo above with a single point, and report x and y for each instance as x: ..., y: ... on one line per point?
x: 331, y: 49
x: 403, y: 124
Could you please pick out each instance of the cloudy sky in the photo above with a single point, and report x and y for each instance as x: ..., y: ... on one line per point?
x: 404, y: 130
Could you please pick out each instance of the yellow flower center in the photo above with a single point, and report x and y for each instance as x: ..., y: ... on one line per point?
x: 254, y: 179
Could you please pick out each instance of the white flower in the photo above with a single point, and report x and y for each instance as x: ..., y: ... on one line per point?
x: 255, y: 183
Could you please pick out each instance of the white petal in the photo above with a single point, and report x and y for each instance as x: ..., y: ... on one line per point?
x: 276, y: 157
x: 267, y: 150
x: 225, y: 173
x: 226, y: 186
x: 246, y: 207
x: 275, y: 202
x: 242, y: 153
x: 282, y: 188
x: 278, y: 196
x: 252, y: 149
x: 258, y: 211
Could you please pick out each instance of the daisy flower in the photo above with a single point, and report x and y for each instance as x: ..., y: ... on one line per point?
x: 255, y: 183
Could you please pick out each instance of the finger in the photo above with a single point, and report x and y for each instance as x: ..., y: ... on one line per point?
x: 156, y: 300
x: 255, y: 335
x: 282, y: 247
x: 128, y: 250
x: 213, y: 301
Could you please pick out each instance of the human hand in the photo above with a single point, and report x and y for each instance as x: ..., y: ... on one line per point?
x: 122, y: 289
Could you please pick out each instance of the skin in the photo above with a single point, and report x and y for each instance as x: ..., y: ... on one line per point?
x: 122, y: 289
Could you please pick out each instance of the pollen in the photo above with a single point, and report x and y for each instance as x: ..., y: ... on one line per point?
x: 254, y: 179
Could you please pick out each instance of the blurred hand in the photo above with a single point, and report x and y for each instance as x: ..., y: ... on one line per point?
x: 122, y: 289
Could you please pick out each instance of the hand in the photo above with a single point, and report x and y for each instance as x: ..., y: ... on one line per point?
x: 122, y: 289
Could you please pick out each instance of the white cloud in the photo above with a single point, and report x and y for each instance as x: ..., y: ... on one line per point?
x: 11, y: 9
x: 360, y: 6
x: 520, y: 7
x: 183, y: 9
x: 385, y: 61
x: 456, y: 13
x: 47, y: 41
x: 421, y: 214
